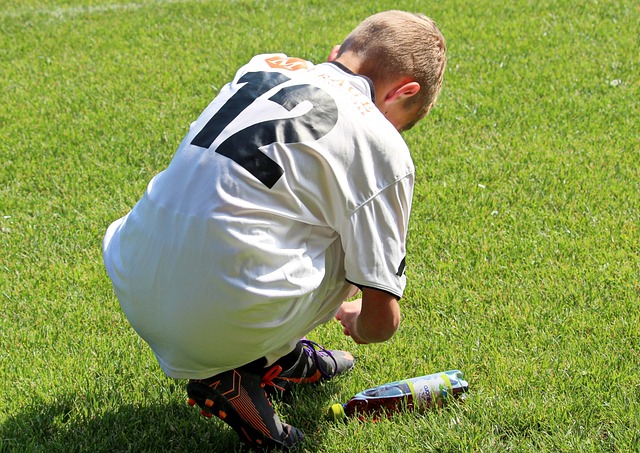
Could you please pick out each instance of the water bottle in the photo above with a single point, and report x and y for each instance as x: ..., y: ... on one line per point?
x: 419, y: 393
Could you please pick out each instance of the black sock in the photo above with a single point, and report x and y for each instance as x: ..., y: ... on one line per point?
x: 287, y: 362
x: 290, y: 360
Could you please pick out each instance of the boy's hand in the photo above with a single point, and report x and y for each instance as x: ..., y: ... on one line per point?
x: 347, y: 315
x: 372, y: 319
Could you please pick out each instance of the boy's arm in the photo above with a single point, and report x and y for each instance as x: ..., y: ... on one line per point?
x: 372, y: 319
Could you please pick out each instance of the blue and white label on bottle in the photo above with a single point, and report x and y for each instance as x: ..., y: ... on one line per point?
x: 429, y: 391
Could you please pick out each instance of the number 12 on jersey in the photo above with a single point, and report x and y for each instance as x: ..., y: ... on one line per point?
x: 243, y: 147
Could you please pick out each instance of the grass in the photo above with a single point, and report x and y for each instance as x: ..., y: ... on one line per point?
x: 524, y: 266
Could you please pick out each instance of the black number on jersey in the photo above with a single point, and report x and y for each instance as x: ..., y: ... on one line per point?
x: 243, y: 146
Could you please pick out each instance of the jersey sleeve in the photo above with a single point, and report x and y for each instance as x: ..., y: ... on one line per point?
x: 374, y: 239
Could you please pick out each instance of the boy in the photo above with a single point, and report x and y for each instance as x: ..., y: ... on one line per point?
x: 290, y: 192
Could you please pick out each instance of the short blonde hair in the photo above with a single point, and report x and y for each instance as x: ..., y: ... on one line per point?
x: 394, y: 44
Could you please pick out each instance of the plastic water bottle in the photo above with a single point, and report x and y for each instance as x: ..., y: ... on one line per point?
x: 419, y: 393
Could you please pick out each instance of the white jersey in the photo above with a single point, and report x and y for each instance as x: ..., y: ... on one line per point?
x: 288, y: 189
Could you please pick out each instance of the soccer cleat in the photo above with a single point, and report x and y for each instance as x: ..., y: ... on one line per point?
x: 308, y: 363
x: 237, y: 397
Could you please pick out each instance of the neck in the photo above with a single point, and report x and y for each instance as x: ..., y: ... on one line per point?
x: 350, y: 61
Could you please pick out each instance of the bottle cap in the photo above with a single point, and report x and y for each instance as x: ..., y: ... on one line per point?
x: 336, y: 412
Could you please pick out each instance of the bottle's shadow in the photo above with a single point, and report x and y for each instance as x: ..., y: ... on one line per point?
x: 68, y: 426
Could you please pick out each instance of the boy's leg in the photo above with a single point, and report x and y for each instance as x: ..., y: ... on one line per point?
x: 238, y: 398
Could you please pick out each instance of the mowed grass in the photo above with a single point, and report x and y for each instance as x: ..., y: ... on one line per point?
x: 524, y: 266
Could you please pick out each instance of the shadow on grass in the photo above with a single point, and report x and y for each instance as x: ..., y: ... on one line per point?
x: 69, y: 425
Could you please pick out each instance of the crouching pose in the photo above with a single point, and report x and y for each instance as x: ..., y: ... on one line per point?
x: 290, y: 194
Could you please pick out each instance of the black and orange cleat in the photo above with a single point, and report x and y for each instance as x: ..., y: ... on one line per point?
x: 328, y: 363
x: 237, y: 397
x: 308, y: 363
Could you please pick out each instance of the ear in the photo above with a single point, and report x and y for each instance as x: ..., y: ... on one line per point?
x: 402, y: 91
x: 334, y: 53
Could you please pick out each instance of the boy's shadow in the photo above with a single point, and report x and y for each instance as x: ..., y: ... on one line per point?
x: 69, y: 426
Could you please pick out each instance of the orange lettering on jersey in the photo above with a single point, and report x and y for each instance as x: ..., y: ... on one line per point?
x: 292, y: 64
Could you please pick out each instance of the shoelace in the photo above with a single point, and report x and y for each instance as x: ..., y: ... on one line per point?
x: 310, y: 349
x: 269, y: 376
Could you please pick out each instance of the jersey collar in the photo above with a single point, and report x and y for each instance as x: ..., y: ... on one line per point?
x: 349, y: 71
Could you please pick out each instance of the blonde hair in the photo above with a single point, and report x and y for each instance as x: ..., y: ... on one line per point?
x: 394, y: 44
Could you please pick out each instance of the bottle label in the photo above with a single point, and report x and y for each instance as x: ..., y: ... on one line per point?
x: 428, y: 391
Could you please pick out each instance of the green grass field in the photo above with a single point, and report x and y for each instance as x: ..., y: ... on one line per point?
x: 524, y: 254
